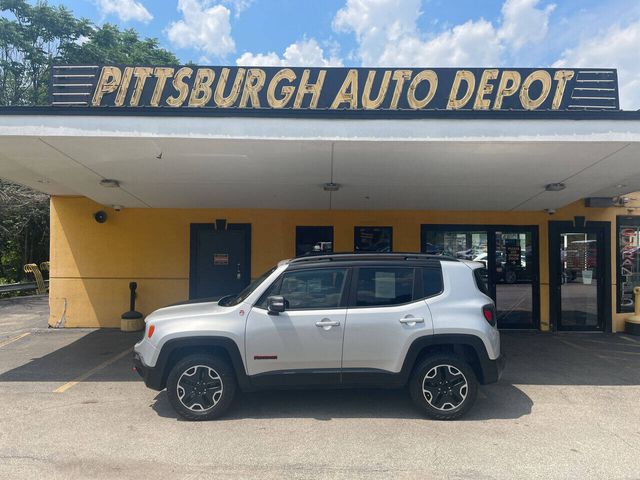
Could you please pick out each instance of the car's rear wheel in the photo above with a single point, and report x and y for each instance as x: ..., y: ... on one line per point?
x: 444, y: 387
x: 201, y: 386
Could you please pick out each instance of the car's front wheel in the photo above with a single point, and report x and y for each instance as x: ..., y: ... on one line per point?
x: 201, y: 386
x: 444, y: 387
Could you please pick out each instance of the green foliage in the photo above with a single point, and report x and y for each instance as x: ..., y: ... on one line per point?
x: 24, y: 229
x: 34, y: 37
x: 110, y: 45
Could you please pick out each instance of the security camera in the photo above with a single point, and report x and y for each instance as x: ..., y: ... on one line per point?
x: 550, y: 211
x: 100, y: 216
x: 117, y: 208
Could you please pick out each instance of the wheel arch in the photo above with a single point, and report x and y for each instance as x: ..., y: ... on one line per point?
x: 468, y: 347
x: 177, y: 348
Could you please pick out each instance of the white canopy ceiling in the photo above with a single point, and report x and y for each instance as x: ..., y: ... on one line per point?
x: 432, y: 164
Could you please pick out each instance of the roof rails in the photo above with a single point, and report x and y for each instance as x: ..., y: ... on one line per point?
x: 368, y: 256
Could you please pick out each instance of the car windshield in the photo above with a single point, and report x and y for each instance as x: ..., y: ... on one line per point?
x: 232, y: 300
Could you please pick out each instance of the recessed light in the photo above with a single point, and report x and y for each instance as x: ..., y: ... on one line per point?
x: 331, y: 187
x: 109, y: 183
x: 555, y: 187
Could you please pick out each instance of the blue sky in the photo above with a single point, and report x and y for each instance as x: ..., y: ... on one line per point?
x: 584, y: 33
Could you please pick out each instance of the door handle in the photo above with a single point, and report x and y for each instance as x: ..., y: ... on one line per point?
x: 326, y: 324
x: 411, y: 320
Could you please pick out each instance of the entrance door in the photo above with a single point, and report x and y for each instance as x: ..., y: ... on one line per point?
x: 510, y: 254
x: 220, y: 263
x: 579, y: 278
x: 515, y: 276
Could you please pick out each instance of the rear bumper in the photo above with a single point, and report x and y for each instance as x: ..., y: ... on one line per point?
x: 492, y: 369
x: 152, y: 376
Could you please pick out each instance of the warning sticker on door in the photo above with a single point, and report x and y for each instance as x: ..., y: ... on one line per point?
x: 221, y: 259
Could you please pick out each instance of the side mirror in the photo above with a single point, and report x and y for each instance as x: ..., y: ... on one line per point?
x: 275, y: 304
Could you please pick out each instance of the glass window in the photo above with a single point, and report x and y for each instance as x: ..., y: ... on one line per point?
x: 466, y: 245
x: 373, y: 239
x: 628, y: 261
x: 313, y: 240
x: 431, y: 281
x: 312, y: 289
x: 384, y: 286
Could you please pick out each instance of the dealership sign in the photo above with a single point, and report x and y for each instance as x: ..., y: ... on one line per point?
x: 270, y: 89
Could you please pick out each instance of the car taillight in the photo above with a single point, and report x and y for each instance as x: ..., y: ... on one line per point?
x: 489, y: 312
x: 151, y: 330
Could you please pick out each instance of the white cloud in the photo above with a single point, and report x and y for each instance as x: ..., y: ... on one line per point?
x: 387, y: 34
x: 204, y: 27
x: 239, y: 5
x: 125, y: 10
x: 619, y: 48
x: 523, y: 22
x: 302, y: 53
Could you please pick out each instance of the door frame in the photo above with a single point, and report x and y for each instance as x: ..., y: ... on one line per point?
x: 491, y: 230
x: 603, y: 232
x: 196, y: 228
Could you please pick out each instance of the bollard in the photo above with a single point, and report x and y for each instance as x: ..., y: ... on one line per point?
x: 632, y: 323
x: 132, y: 320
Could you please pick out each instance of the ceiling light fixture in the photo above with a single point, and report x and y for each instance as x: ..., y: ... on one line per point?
x: 331, y: 187
x: 555, y: 187
x: 109, y: 183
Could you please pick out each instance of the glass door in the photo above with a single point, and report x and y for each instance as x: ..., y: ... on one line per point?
x: 510, y: 256
x: 580, y: 281
x: 515, y: 276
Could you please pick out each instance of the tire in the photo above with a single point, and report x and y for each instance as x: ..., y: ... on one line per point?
x: 201, y: 386
x: 432, y: 374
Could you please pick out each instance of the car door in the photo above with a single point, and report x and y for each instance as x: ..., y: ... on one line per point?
x: 303, y: 344
x: 387, y: 311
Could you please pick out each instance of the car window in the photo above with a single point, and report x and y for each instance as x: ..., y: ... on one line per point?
x: 384, y: 286
x: 311, y: 289
x: 431, y: 281
x: 481, y: 276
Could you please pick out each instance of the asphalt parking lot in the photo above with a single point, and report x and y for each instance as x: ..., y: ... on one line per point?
x: 568, y: 406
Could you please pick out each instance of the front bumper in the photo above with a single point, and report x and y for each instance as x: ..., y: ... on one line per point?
x: 152, y: 376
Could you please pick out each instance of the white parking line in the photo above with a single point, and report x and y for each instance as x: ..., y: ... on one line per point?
x: 86, y: 375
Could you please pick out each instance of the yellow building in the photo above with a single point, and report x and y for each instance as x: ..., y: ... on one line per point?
x: 195, y: 202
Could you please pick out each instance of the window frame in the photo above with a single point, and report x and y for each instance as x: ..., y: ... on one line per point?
x: 343, y: 299
x: 416, y: 293
x: 629, y: 220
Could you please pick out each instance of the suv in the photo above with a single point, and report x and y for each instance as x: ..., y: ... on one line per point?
x: 339, y: 320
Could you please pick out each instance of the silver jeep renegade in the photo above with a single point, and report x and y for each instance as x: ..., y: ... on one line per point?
x: 340, y: 320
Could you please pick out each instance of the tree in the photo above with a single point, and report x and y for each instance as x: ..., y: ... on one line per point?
x: 33, y: 38
x: 24, y: 229
x: 29, y: 44
x: 109, y: 45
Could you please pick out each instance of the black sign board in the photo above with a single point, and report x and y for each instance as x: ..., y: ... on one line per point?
x: 269, y: 90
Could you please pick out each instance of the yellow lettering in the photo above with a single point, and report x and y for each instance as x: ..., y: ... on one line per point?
x: 562, y: 77
x: 469, y: 78
x: 508, y: 86
x: 484, y: 89
x: 108, y: 83
x: 141, y: 74
x: 400, y: 76
x: 229, y: 100
x: 367, y: 102
x: 286, y: 91
x: 306, y: 88
x: 181, y: 87
x: 423, y: 76
x: 201, y: 91
x: 348, y: 92
x: 252, y: 85
x: 124, y: 86
x: 544, y: 78
x: 161, y: 74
